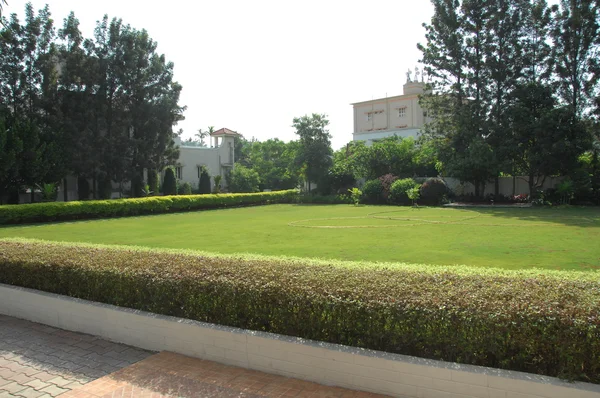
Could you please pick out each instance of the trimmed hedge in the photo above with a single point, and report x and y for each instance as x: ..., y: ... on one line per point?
x: 79, y: 210
x: 545, y: 322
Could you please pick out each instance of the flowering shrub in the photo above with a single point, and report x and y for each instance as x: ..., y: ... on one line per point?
x: 521, y: 198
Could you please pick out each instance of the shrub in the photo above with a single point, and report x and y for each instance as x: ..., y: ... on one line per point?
x: 243, y: 179
x: 414, y: 194
x: 49, y: 192
x: 186, y: 189
x: 433, y: 191
x: 153, y: 182
x: 373, y: 191
x: 61, y: 211
x: 83, y: 188
x: 544, y: 322
x: 170, y: 182
x: 386, y: 182
x: 356, y: 195
x: 218, y: 179
x: 398, y: 190
x: 204, y: 183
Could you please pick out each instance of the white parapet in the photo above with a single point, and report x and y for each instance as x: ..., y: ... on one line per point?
x: 331, y: 364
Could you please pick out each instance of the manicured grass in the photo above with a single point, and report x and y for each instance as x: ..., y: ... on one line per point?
x: 508, y: 238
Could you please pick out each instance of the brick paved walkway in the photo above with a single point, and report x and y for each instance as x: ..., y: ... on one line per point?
x: 39, y: 361
x: 173, y: 375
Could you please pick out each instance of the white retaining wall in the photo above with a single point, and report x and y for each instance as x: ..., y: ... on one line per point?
x: 505, y: 185
x: 379, y: 372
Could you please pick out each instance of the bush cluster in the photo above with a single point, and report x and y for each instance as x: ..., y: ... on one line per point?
x: 79, y: 210
x: 434, y: 191
x: 545, y: 322
x: 398, y: 190
x: 373, y: 192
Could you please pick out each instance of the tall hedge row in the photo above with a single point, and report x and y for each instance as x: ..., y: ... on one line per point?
x: 60, y: 211
x: 536, y: 321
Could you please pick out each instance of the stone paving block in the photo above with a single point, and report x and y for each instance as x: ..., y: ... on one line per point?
x: 4, y: 382
x: 30, y: 393
x: 37, y: 384
x: 53, y: 390
x: 21, y: 378
x: 13, y: 387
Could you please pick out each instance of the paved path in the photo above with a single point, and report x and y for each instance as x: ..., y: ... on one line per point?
x: 40, y: 361
x: 173, y: 375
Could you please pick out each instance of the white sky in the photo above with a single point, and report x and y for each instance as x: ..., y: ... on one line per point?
x: 252, y: 66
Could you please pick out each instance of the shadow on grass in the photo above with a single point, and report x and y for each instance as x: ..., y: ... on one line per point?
x: 572, y: 216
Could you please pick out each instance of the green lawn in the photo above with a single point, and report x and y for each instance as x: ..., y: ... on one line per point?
x: 509, y: 238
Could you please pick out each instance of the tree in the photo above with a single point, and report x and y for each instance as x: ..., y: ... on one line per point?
x: 274, y: 161
x: 170, y: 182
x: 547, y: 140
x: 201, y: 135
x: 243, y: 179
x: 204, y: 183
x: 314, y: 153
x: 575, y: 52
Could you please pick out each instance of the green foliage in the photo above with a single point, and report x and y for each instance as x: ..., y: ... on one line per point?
x: 59, y: 125
x: 186, y: 189
x: 49, y: 192
x: 61, y: 211
x: 314, y: 153
x: 204, y: 183
x: 153, y: 182
x: 243, y: 179
x: 499, y: 319
x: 401, y: 157
x: 356, y: 195
x: 218, y: 179
x: 433, y: 191
x: 275, y: 163
x: 83, y: 188
x: 399, y: 191
x: 169, y: 185
x: 414, y: 193
x: 105, y: 188
x: 137, y: 186
x: 373, y: 191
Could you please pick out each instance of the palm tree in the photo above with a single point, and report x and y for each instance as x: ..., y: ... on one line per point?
x: 201, y: 136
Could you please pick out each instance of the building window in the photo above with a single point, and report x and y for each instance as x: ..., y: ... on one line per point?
x: 369, y: 117
x: 401, y: 112
x: 178, y: 172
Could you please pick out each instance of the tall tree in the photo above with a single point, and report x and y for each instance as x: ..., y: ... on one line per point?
x: 314, y: 153
x: 575, y: 52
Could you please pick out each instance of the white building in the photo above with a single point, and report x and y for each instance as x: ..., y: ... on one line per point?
x: 218, y: 158
x: 400, y: 115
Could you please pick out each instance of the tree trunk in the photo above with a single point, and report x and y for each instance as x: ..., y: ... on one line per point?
x: 514, y: 185
x: 497, y: 188
x: 65, y: 190
x: 476, y: 190
x: 530, y: 182
x: 94, y: 187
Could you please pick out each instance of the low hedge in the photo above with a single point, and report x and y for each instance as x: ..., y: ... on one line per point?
x: 545, y: 322
x: 78, y: 210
